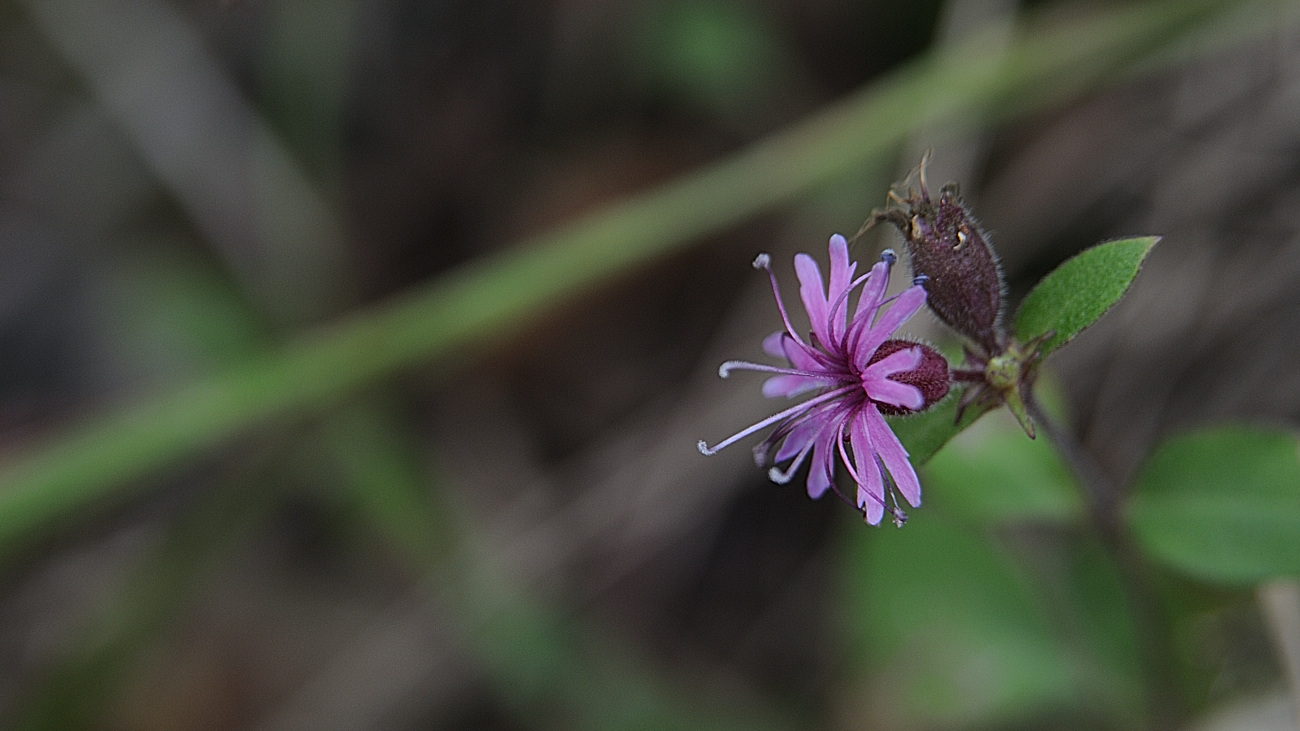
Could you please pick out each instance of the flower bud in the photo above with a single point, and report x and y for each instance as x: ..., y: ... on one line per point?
x: 946, y: 245
x: 931, y: 377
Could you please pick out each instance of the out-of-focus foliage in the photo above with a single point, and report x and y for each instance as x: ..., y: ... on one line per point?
x: 925, y: 434
x: 956, y: 628
x: 1222, y: 504
x: 992, y: 473
x: 964, y: 622
x: 953, y: 631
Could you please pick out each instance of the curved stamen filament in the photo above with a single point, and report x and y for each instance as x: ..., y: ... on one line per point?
x: 839, y: 439
x: 866, y: 317
x: 848, y: 463
x: 764, y: 262
x: 872, y: 293
x: 900, y: 517
x: 781, y: 477
x: 725, y: 370
x: 863, y: 324
x: 782, y: 416
x: 763, y: 449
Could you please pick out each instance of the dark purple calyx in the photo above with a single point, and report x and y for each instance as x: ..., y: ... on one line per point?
x: 931, y: 377
x: 946, y: 244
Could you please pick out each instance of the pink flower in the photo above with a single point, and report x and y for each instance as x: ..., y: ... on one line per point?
x: 858, y: 373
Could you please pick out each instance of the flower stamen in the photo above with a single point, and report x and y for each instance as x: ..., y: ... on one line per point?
x: 795, y: 410
x: 764, y: 262
x: 725, y: 370
x: 780, y: 476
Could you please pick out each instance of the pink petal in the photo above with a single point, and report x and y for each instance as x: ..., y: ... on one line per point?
x: 797, y: 439
x: 873, y: 291
x: 871, y: 486
x: 904, y: 307
x: 874, y: 506
x: 781, y: 345
x: 898, y: 361
x: 790, y: 386
x: 800, y: 358
x: 774, y: 344
x: 875, y: 379
x: 894, y: 393
x: 841, y: 277
x: 822, y: 469
x: 894, y: 456
x: 841, y: 267
x: 812, y: 292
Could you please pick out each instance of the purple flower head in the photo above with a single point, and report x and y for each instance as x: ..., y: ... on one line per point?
x: 858, y: 371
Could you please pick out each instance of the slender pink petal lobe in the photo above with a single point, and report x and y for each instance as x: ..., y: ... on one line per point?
x: 813, y: 294
x: 822, y: 471
x: 774, y: 344
x: 903, y: 308
x: 885, y: 391
x: 842, y: 422
x: 871, y: 484
x: 894, y: 456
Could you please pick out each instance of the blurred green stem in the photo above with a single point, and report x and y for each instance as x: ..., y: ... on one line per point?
x: 540, y: 659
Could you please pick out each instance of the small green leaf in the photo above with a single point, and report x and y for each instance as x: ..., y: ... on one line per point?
x: 1078, y: 292
x: 1222, y: 504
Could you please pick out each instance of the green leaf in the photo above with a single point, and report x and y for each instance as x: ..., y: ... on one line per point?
x: 992, y: 473
x: 1222, y: 504
x: 924, y: 434
x: 1078, y: 292
x: 949, y: 632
